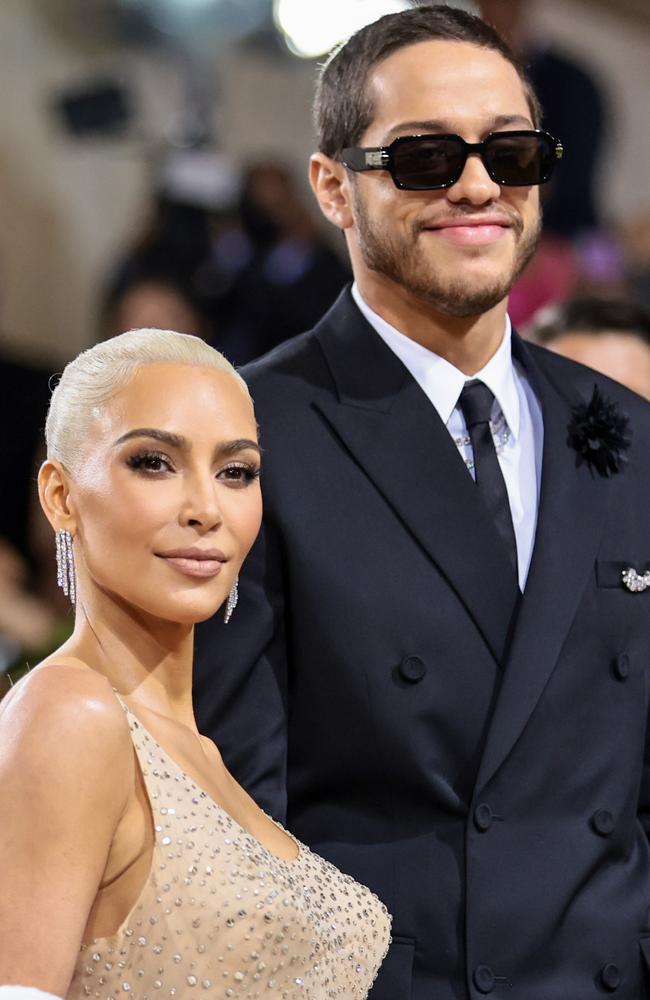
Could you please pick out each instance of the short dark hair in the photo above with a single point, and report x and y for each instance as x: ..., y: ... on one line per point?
x: 590, y: 314
x: 343, y: 109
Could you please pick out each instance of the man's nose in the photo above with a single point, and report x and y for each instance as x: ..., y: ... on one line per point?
x: 474, y: 185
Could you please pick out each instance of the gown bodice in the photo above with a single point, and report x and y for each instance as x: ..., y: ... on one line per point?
x: 222, y: 918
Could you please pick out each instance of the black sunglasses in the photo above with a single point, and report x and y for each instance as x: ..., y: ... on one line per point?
x: 428, y: 162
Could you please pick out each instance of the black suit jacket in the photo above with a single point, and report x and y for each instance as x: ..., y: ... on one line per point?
x: 482, y: 770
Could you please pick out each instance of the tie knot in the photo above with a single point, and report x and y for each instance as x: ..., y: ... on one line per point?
x: 476, y: 403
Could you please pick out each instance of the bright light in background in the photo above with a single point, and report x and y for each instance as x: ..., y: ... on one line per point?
x: 313, y: 27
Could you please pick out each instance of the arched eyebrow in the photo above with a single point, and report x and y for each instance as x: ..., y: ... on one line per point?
x: 225, y: 449
x: 239, y: 444
x: 165, y: 437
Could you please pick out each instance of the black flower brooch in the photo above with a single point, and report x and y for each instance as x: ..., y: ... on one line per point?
x: 598, y: 432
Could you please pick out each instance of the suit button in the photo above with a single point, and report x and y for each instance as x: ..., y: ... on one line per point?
x: 610, y: 977
x: 603, y: 823
x: 412, y: 669
x: 621, y: 667
x: 483, y: 817
x: 484, y: 978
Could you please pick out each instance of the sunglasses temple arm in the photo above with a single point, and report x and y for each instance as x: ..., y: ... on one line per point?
x: 368, y: 158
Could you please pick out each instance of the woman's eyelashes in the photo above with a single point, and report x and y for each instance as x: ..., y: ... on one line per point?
x: 150, y: 462
x: 239, y: 473
x: 156, y: 463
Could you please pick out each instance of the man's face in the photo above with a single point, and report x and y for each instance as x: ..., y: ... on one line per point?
x: 460, y: 249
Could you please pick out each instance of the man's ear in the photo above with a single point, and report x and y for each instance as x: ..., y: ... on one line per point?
x: 331, y: 184
x: 54, y: 494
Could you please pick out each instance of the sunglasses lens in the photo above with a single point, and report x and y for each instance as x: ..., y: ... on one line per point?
x: 519, y: 160
x: 426, y: 164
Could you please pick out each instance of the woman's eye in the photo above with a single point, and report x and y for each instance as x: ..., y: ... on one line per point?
x: 239, y: 474
x: 150, y: 462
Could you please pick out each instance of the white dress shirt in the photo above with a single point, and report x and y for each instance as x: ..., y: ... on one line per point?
x: 520, y: 457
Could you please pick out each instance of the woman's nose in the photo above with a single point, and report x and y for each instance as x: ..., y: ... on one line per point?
x: 201, y: 508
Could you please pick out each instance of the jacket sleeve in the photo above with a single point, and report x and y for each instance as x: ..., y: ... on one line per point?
x: 240, y: 678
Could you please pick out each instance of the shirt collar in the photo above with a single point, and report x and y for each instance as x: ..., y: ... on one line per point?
x: 442, y: 381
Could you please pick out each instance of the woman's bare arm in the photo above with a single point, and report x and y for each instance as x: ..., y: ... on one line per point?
x: 66, y: 777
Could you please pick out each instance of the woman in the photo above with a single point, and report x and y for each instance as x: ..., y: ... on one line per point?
x: 131, y: 862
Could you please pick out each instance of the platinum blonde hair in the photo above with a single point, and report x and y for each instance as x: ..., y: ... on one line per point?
x: 99, y: 373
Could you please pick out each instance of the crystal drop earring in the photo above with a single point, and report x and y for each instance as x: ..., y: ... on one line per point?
x: 231, y: 603
x: 65, y: 574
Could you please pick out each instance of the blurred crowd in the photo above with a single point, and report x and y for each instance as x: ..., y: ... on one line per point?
x: 235, y: 257
x: 239, y: 258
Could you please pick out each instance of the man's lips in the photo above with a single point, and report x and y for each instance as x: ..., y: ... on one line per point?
x: 195, y: 561
x: 468, y: 231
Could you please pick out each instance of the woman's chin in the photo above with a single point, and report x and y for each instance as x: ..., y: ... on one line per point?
x: 184, y: 613
x: 194, y: 616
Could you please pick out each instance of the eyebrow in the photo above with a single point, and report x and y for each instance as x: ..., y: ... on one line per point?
x: 178, y: 441
x: 439, y: 125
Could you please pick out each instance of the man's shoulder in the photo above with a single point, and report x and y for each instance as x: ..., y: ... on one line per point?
x: 299, y: 368
x: 292, y: 358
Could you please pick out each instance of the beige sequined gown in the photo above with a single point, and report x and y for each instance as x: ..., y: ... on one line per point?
x: 220, y: 917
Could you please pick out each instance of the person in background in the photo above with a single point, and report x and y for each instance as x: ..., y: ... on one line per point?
x: 169, y: 276
x: 636, y: 243
x: 611, y: 336
x: 157, y: 281
x: 152, y: 300
x: 287, y: 273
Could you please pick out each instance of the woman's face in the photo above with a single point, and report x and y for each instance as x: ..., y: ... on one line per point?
x: 166, y: 501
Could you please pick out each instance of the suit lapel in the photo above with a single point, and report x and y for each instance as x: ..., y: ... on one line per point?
x: 392, y: 431
x: 388, y: 425
x: 569, y: 525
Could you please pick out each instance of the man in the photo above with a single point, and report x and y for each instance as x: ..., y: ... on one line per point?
x: 472, y: 754
x: 610, y: 335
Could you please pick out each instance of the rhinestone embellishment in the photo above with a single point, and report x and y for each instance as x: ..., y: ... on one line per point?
x: 500, y: 435
x: 221, y: 917
x: 636, y: 582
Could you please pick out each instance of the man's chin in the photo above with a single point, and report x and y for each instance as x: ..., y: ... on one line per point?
x: 459, y: 299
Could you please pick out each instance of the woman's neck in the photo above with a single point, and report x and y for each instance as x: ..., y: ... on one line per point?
x: 147, y: 660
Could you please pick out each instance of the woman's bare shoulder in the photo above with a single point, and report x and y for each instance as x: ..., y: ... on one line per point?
x: 67, y: 779
x: 63, y: 709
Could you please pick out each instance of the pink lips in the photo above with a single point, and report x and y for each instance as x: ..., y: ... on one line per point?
x: 480, y: 231
x: 194, y: 561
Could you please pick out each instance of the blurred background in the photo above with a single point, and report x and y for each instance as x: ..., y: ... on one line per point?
x: 153, y: 158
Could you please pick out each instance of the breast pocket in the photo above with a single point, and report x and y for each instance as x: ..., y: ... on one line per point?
x: 395, y: 979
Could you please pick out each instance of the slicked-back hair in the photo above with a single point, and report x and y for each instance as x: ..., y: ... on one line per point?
x: 343, y: 108
x: 97, y: 374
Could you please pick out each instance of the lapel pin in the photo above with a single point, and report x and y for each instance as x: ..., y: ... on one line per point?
x: 636, y: 582
x: 599, y: 433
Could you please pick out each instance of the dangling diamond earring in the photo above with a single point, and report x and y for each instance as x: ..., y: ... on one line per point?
x: 65, y: 574
x: 231, y: 603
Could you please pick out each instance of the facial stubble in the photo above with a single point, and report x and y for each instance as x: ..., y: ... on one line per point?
x: 403, y: 262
